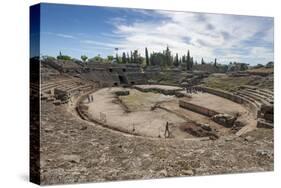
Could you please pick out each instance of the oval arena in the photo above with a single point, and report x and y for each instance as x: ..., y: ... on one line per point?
x: 106, y: 121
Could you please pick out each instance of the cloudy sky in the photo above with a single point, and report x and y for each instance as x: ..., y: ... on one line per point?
x: 89, y: 30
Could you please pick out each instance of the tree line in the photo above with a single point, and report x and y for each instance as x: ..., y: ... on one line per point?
x: 163, y: 59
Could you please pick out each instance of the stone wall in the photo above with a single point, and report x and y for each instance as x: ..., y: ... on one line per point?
x: 230, y: 96
x: 159, y: 90
x: 198, y: 109
x: 136, y: 78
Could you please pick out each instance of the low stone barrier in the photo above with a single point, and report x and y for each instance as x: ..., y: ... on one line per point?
x: 159, y: 90
x: 220, y: 93
x: 122, y: 93
x: 196, y: 108
x: 221, y: 118
x: 230, y: 96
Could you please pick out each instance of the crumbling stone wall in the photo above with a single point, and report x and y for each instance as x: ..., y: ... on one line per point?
x: 226, y: 120
x: 159, y: 90
x: 196, y: 108
x: 230, y: 96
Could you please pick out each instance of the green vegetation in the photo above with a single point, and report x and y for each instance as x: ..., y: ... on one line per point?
x: 96, y: 59
x: 225, y: 82
x: 146, y: 57
x: 124, y: 59
x: 165, y: 60
x: 202, y: 61
x: 63, y: 57
x: 84, y: 58
x: 110, y: 58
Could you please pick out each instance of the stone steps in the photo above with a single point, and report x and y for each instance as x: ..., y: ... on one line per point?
x: 249, y: 99
x: 255, y: 97
x: 48, y: 87
x: 51, y: 85
x: 267, y: 91
x: 78, y: 88
x: 67, y: 87
x: 260, y: 93
x: 264, y: 124
x: 253, y: 106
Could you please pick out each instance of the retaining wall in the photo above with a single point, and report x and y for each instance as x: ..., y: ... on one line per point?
x: 230, y: 96
x: 196, y: 108
x: 158, y: 90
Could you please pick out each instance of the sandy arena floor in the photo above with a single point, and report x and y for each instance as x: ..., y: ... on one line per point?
x: 166, y: 87
x: 141, y: 120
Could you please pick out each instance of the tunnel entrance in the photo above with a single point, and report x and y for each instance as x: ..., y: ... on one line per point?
x: 122, y: 79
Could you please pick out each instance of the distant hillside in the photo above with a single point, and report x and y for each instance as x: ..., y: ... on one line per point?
x: 262, y: 70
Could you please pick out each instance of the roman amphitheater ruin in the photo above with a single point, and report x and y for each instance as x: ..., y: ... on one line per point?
x: 120, y: 121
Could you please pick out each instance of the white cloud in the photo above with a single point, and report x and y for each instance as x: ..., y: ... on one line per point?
x: 200, y: 33
x: 65, y: 36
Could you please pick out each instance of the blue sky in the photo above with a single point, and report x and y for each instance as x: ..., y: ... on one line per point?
x: 88, y: 30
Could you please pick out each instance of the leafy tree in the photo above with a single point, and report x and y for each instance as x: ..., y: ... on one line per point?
x: 243, y: 66
x: 96, y: 59
x: 270, y: 64
x: 84, y: 58
x: 110, y: 58
x: 63, y: 57
x: 157, y: 58
x: 137, y: 58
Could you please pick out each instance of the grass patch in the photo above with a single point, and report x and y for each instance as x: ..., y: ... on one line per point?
x: 225, y: 82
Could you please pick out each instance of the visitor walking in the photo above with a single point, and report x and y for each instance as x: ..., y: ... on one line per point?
x: 167, y: 131
x: 89, y: 99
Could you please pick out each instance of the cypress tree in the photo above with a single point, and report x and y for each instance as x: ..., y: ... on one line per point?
x: 202, y: 61
x: 176, y: 62
x: 124, y: 58
x: 131, y: 58
x: 128, y: 58
x: 215, y: 64
x: 146, y: 57
x: 188, y: 61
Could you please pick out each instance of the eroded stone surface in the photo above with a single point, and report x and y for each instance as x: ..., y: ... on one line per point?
x: 109, y: 155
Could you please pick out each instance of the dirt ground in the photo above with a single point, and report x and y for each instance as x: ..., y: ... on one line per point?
x: 138, y: 118
x: 223, y: 105
x: 141, y: 120
x: 75, y: 151
x: 165, y: 87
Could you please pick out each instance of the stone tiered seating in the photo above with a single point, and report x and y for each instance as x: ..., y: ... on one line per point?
x: 249, y: 99
x: 258, y: 95
x: 60, y: 91
x: 263, y: 101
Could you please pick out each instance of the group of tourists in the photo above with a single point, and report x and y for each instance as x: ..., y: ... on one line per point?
x: 193, y: 90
